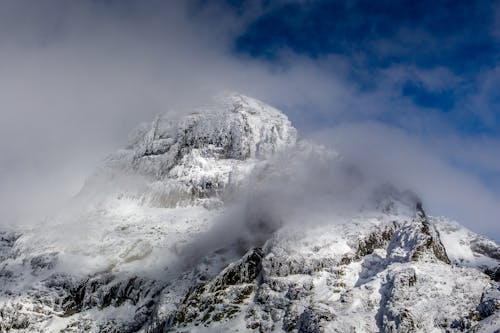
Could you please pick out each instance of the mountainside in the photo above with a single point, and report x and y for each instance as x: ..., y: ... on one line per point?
x: 223, y: 220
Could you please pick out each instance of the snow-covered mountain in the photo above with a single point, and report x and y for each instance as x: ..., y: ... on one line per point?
x: 222, y: 220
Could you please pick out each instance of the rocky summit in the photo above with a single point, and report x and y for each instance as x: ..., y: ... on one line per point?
x: 221, y: 219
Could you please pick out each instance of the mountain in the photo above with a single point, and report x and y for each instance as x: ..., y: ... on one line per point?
x: 221, y: 219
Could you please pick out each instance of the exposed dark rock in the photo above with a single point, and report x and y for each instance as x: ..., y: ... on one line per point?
x: 245, y: 271
x: 43, y: 262
x: 375, y: 240
x: 430, y: 240
x: 221, y: 297
x: 486, y: 247
x: 493, y: 273
x: 489, y: 305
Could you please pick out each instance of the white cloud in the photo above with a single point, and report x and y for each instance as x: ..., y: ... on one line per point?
x: 389, y: 154
x: 76, y: 77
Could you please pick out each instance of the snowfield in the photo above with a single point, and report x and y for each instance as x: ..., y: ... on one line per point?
x: 223, y: 220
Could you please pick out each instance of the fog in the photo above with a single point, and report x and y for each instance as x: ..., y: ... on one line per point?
x: 302, y: 188
x: 425, y: 166
x: 77, y: 77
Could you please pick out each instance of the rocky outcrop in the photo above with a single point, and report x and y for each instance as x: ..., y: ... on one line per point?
x: 487, y: 309
x: 417, y: 240
x: 430, y: 240
x: 391, y: 318
x: 272, y: 289
x: 188, y: 157
x: 103, y: 291
x: 220, y: 298
x: 235, y: 127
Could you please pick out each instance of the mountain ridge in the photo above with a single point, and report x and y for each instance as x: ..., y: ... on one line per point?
x: 224, y: 219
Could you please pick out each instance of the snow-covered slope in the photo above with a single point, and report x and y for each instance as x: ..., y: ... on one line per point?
x: 188, y: 158
x: 221, y: 220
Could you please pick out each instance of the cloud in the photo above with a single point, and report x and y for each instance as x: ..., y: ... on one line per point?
x: 422, y: 164
x: 302, y: 188
x: 76, y: 77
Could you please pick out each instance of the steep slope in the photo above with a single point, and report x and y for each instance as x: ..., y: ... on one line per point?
x: 221, y: 220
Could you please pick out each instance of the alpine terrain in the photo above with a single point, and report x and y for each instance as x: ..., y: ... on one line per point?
x: 222, y: 220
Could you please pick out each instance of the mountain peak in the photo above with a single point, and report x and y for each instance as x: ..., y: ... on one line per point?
x: 195, y: 153
x: 218, y: 219
x: 233, y: 127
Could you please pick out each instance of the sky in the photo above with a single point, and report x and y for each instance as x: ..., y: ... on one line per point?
x: 409, y: 90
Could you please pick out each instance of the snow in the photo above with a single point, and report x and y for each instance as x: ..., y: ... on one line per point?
x: 459, y: 241
x: 129, y: 254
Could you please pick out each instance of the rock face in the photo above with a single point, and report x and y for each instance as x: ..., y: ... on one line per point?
x: 236, y: 127
x: 160, y: 240
x: 190, y: 157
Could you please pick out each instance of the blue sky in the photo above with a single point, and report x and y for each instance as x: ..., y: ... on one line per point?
x: 455, y: 43
x: 409, y: 89
x: 456, y: 39
x: 459, y: 37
